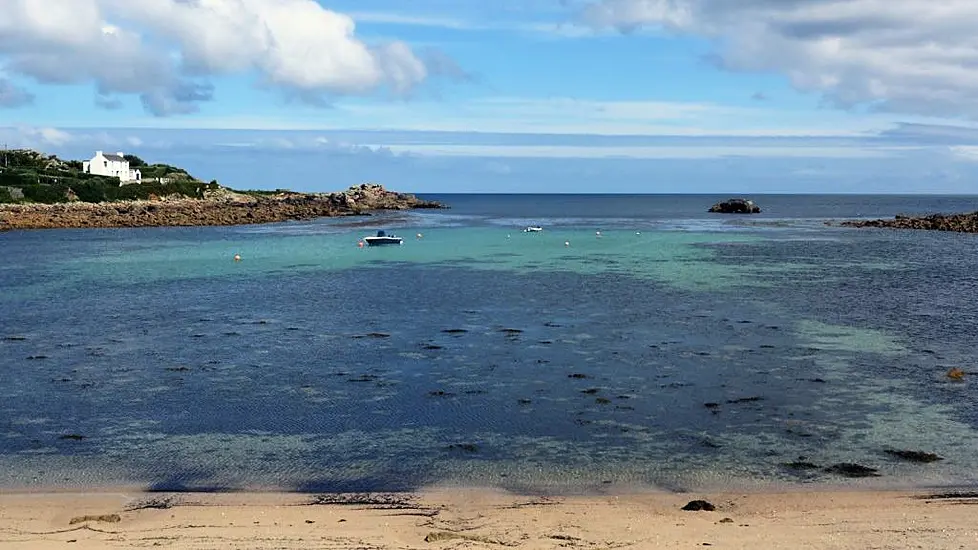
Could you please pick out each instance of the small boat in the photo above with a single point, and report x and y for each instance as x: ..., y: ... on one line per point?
x: 533, y: 229
x: 383, y: 238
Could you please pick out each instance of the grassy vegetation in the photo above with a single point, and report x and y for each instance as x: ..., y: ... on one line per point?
x: 48, y: 179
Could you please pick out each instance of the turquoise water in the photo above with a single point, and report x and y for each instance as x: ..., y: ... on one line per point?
x: 672, y: 258
x: 674, y: 349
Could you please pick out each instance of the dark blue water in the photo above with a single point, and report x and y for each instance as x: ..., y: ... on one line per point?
x: 662, y: 207
x: 677, y: 349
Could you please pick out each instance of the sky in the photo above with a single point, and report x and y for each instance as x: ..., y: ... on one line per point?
x: 506, y: 96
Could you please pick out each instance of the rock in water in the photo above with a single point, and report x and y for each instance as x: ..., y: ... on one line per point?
x: 961, y: 223
x: 914, y: 456
x: 736, y: 206
x: 848, y: 469
x: 699, y: 506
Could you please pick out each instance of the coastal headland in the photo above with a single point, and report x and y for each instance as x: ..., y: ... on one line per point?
x: 478, y: 518
x: 219, y: 206
x: 41, y: 191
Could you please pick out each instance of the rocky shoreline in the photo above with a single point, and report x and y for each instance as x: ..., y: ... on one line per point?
x: 960, y: 223
x: 220, y: 207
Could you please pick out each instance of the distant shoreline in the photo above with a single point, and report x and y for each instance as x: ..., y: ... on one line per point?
x: 221, y: 208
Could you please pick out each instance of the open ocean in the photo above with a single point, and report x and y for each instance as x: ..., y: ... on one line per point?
x: 678, y: 350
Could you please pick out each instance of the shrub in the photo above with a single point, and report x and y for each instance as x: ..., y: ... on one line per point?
x: 17, y: 178
x: 134, y: 161
x: 94, y: 189
x: 48, y: 194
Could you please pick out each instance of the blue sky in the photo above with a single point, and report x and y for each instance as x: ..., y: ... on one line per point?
x: 439, y: 96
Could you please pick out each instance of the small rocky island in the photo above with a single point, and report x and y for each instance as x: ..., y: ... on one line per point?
x: 961, y: 223
x: 736, y: 206
x: 40, y: 191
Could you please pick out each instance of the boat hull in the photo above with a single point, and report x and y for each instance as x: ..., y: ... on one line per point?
x: 383, y: 241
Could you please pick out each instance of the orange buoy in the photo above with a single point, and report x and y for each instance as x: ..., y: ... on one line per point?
x: 360, y: 244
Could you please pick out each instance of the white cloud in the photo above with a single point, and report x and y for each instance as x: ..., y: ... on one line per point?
x: 643, y: 152
x: 32, y: 137
x: 12, y: 95
x: 957, y: 134
x: 562, y: 115
x: 499, y: 153
x: 395, y: 18
x: 914, y: 56
x: 164, y: 50
x: 291, y: 141
x: 68, y: 41
x: 54, y: 136
x: 559, y: 29
x: 556, y: 115
x: 48, y: 138
x: 293, y: 43
x: 107, y: 102
x: 965, y: 152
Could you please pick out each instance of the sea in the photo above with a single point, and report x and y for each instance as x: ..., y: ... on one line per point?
x: 636, y: 343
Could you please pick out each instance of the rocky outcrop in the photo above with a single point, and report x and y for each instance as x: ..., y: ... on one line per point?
x: 736, y: 206
x: 962, y: 223
x: 220, y: 207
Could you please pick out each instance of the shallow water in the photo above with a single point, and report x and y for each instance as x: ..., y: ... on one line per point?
x: 676, y: 350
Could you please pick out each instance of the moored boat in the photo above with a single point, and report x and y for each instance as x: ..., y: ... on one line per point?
x: 383, y: 238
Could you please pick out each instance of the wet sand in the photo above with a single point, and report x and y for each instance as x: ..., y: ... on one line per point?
x: 478, y: 518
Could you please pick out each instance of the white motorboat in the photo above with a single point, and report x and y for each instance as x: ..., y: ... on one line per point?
x: 383, y: 238
x: 533, y: 229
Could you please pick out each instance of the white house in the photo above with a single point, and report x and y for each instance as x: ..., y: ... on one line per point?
x: 107, y: 164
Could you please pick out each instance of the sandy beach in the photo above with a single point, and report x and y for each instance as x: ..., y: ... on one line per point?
x: 478, y: 518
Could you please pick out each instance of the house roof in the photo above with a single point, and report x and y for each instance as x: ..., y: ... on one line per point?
x: 114, y: 158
